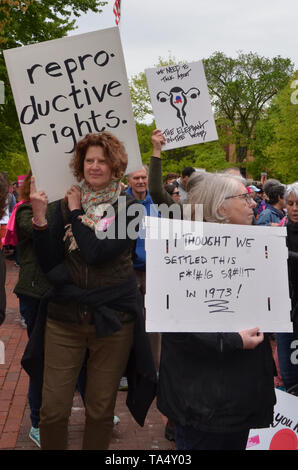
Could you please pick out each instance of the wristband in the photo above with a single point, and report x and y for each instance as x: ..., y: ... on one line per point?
x: 39, y: 227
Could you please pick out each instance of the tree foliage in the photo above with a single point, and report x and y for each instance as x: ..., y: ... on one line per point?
x: 241, y: 89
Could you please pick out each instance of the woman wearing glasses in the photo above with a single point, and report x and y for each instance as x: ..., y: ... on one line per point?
x: 288, y: 367
x: 215, y: 387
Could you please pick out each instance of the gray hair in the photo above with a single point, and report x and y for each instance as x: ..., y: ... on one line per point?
x: 146, y: 167
x: 291, y: 188
x: 212, y: 191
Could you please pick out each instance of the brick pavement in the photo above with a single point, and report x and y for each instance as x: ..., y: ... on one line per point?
x: 15, y: 412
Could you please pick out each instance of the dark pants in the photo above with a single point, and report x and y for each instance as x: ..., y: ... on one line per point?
x: 65, y: 352
x: 189, y: 438
x: 28, y: 309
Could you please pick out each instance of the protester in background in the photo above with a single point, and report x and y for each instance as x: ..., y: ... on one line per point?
x: 182, y: 182
x: 171, y: 178
x: 173, y: 191
x: 289, y: 370
x: 274, y: 211
x: 15, y: 190
x: 3, y: 207
x: 4, y: 216
x: 138, y: 189
x: 94, y: 302
x: 31, y: 286
x: 208, y: 382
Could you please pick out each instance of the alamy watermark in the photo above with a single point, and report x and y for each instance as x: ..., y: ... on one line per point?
x: 129, y: 221
x: 294, y: 95
x: 294, y: 354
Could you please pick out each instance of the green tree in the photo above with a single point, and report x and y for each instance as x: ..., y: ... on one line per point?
x: 282, y: 150
x: 242, y: 88
x: 24, y: 22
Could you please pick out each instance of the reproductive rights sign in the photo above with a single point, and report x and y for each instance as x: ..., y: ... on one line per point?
x: 181, y: 104
x: 65, y: 89
x: 205, y: 277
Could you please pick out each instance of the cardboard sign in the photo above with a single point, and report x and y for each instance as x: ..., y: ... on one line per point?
x: 181, y: 104
x: 65, y: 89
x: 283, y: 433
x: 207, y: 277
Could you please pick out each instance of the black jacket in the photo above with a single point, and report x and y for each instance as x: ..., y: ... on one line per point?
x: 209, y: 382
x: 292, y: 242
x: 140, y: 371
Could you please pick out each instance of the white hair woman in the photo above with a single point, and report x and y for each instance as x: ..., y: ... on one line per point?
x: 288, y: 370
x: 215, y: 387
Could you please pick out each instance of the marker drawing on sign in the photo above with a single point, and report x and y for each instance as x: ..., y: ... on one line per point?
x: 266, y: 252
x: 178, y: 100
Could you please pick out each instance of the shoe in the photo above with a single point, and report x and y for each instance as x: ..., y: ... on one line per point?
x: 123, y: 386
x: 34, y: 436
x: 116, y: 420
x: 24, y: 325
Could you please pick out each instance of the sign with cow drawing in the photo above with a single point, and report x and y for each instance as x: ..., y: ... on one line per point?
x: 181, y: 104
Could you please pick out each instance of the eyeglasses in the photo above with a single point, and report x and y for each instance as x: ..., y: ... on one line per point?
x: 176, y: 192
x: 247, y: 197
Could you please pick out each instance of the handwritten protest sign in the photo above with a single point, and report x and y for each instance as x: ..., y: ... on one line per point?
x: 181, y: 104
x: 283, y: 433
x: 65, y: 89
x: 205, y: 277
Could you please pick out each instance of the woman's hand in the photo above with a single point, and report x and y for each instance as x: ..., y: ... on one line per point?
x: 158, y: 140
x: 251, y: 338
x: 39, y: 202
x: 73, y: 197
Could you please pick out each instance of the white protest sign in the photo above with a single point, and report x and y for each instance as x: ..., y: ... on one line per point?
x: 205, y: 277
x: 181, y: 104
x: 65, y: 89
x: 283, y: 433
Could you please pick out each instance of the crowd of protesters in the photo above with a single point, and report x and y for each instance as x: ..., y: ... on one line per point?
x: 81, y: 292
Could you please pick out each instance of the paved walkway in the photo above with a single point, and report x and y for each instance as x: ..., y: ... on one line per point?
x: 14, y: 410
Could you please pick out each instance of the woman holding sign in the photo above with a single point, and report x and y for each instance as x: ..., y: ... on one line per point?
x: 87, y: 256
x: 215, y: 387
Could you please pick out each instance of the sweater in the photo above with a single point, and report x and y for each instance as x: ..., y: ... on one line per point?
x: 140, y: 253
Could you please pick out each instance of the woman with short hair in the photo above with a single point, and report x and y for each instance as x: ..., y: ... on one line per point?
x: 215, y: 387
x: 88, y: 257
x: 288, y: 369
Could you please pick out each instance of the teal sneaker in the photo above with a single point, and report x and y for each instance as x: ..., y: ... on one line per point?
x: 116, y: 420
x: 34, y: 436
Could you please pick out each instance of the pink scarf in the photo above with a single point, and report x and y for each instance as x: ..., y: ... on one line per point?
x: 11, y: 237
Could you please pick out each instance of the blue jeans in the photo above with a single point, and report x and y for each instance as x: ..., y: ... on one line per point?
x: 28, y: 309
x: 288, y: 371
x: 189, y: 438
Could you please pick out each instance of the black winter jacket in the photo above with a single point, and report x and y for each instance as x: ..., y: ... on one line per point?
x: 210, y: 382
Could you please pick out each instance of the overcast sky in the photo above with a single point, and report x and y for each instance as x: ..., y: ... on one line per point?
x: 191, y: 30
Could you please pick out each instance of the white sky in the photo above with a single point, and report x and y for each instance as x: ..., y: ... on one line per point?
x: 191, y: 30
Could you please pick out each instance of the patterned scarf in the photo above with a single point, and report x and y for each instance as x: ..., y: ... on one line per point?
x: 94, y: 204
